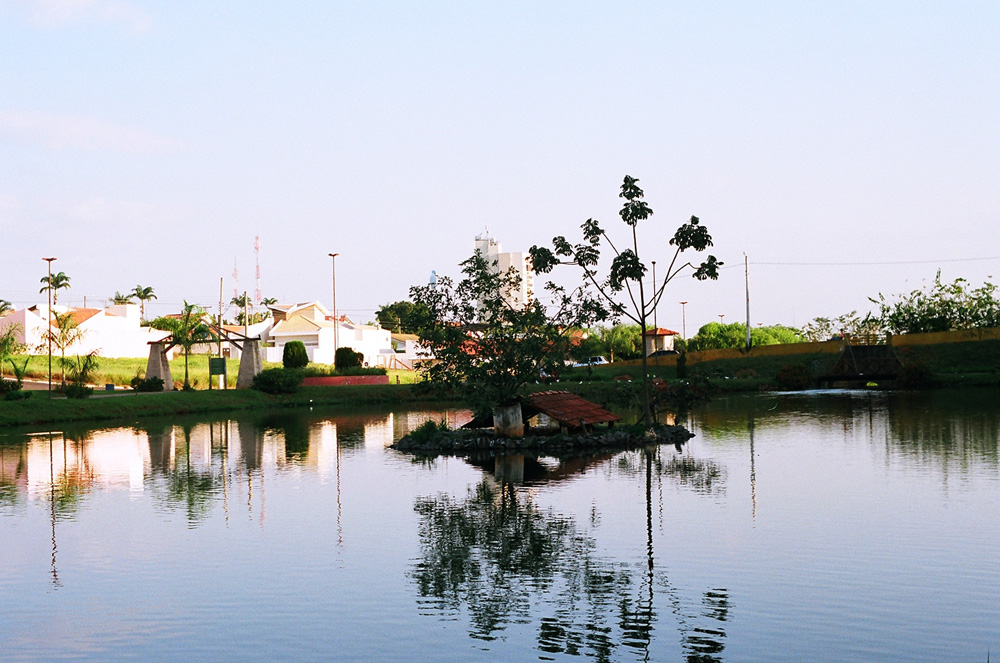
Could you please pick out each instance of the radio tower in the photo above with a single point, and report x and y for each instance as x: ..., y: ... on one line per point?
x: 236, y: 280
x: 257, y: 297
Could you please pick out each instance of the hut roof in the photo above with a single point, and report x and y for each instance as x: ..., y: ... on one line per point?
x: 569, y: 409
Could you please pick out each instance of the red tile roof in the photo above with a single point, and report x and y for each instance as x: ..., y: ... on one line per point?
x: 570, y: 409
x: 661, y: 331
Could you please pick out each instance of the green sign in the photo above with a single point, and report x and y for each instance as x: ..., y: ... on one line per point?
x: 216, y: 366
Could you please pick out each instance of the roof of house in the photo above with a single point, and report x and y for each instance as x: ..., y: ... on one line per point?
x: 569, y: 409
x: 661, y: 331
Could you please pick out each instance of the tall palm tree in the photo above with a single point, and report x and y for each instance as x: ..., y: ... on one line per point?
x: 188, y: 330
x: 119, y: 298
x: 5, y: 307
x: 58, y: 282
x: 143, y: 294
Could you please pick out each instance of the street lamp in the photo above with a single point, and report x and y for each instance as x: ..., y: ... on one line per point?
x: 336, y: 320
x: 49, y: 289
x: 684, y: 326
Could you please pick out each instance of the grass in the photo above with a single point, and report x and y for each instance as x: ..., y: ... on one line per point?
x: 121, y: 371
x: 131, y: 407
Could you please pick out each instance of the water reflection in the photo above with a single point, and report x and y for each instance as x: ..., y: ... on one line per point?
x: 954, y: 431
x: 191, y: 467
x: 497, y: 557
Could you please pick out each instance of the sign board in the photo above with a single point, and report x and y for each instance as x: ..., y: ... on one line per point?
x: 216, y: 366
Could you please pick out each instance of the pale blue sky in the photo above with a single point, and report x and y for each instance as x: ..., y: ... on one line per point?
x: 148, y: 142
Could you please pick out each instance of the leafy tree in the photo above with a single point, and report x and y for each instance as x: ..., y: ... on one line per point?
x: 143, y: 294
x: 9, y: 345
x: 486, y: 344
x: 399, y: 317
x: 119, y: 298
x: 823, y: 329
x: 58, y: 282
x: 622, y: 341
x: 944, y: 307
x: 187, y: 331
x: 733, y: 335
x: 294, y: 355
x: 624, y: 282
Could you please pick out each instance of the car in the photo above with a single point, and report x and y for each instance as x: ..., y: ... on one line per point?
x: 591, y: 361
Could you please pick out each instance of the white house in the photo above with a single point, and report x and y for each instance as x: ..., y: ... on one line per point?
x: 409, y: 352
x: 659, y: 339
x: 313, y: 324
x: 113, y: 332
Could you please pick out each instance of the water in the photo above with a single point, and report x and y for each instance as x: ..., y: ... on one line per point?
x: 819, y: 526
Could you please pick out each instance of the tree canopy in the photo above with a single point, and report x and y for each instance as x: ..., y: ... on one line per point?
x: 487, y: 345
x: 400, y: 317
x: 624, y: 288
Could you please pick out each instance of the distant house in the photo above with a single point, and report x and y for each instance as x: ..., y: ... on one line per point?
x: 409, y: 352
x: 313, y: 324
x: 658, y: 340
x: 113, y: 332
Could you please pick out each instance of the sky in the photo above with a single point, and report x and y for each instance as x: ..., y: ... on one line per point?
x: 847, y: 149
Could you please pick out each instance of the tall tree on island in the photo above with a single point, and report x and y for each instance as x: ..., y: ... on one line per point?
x: 624, y: 281
x: 490, y: 345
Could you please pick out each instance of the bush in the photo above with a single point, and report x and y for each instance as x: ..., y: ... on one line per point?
x: 149, y: 384
x: 295, y: 355
x: 8, y: 387
x: 17, y: 395
x: 278, y: 380
x: 348, y: 358
x: 794, y: 377
x: 77, y: 391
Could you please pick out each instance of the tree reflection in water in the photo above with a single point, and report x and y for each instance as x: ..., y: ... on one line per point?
x: 503, y: 560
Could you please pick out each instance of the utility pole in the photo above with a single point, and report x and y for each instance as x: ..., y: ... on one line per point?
x: 49, y: 289
x: 336, y: 319
x: 245, y: 320
x: 746, y: 271
x: 655, y: 326
x: 220, y: 316
x: 684, y: 324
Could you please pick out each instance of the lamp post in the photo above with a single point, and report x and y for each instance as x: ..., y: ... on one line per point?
x: 336, y: 320
x: 49, y: 290
x: 684, y: 327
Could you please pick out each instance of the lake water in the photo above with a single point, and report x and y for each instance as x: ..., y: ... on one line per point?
x: 832, y: 526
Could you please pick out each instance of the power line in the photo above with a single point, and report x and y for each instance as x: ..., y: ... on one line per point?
x: 858, y: 264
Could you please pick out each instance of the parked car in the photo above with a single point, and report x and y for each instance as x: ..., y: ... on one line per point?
x: 591, y: 361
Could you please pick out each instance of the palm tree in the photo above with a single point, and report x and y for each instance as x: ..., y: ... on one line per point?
x: 65, y: 332
x: 143, y: 294
x: 58, y: 282
x: 188, y: 330
x: 5, y: 307
x: 119, y: 298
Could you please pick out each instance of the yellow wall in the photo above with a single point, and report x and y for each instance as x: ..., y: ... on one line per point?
x: 958, y: 336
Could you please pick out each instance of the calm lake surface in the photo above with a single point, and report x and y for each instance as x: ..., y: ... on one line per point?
x: 828, y: 526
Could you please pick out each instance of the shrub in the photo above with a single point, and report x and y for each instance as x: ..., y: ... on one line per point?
x: 77, y: 391
x: 278, y: 380
x: 426, y: 431
x: 8, y: 387
x: 682, y: 365
x: 348, y: 358
x: 149, y: 384
x: 295, y: 355
x: 17, y: 395
x: 793, y: 377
